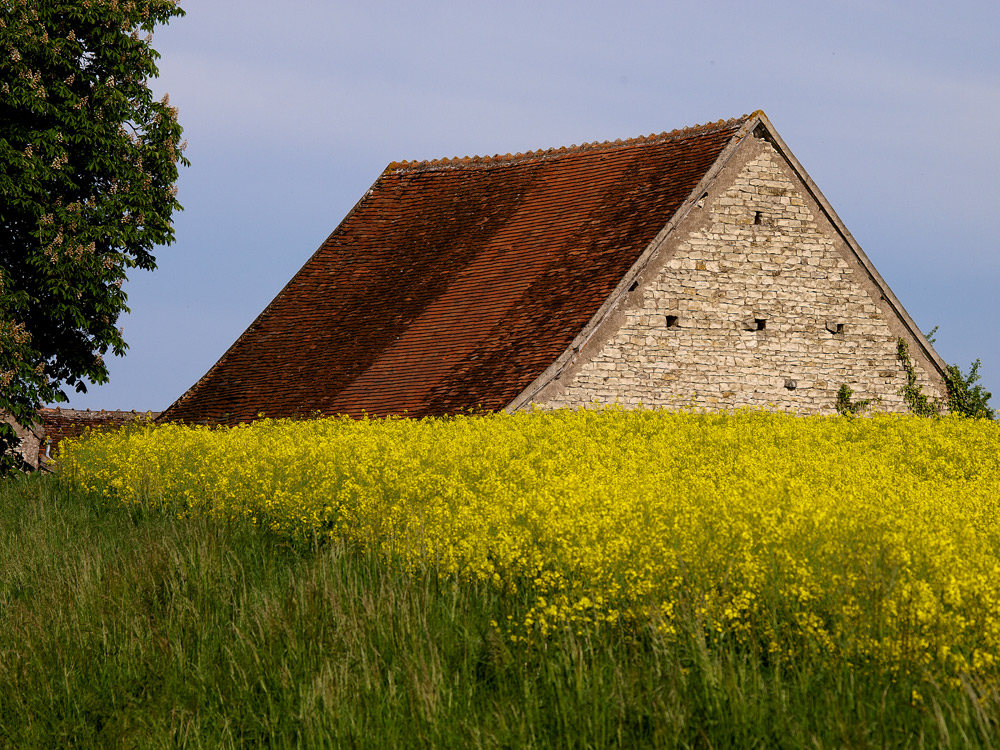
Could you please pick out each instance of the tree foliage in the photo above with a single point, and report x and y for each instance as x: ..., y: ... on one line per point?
x: 964, y: 396
x: 88, y: 165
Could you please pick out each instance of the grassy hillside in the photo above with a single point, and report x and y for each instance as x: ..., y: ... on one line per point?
x: 180, y: 607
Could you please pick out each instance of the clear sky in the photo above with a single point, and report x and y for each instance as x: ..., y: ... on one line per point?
x: 293, y: 109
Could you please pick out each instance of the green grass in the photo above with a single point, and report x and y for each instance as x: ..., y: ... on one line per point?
x: 129, y: 629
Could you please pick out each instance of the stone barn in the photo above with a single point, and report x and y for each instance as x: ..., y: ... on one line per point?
x: 697, y: 267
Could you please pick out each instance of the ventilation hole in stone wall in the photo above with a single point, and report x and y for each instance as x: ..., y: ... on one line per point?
x: 701, y: 201
x: 672, y: 321
x: 635, y: 285
x: 840, y: 329
x: 761, y: 323
x: 757, y: 218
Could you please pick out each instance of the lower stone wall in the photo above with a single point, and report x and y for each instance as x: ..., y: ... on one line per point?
x: 31, y: 440
x: 39, y: 444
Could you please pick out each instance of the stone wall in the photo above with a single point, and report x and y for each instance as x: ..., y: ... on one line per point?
x: 40, y: 444
x: 31, y: 439
x: 754, y: 300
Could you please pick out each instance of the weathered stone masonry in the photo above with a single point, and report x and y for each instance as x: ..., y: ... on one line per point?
x: 40, y: 443
x: 757, y: 301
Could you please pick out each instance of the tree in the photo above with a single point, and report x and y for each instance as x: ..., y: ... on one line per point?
x: 88, y: 166
x: 964, y: 396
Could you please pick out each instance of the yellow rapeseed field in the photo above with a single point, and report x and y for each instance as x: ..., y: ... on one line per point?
x: 871, y: 539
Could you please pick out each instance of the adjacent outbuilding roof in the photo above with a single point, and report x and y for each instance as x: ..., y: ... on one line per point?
x: 454, y: 284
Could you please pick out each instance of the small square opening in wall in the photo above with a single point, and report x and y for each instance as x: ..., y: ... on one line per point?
x: 673, y: 321
x: 758, y: 218
x: 760, y: 323
x: 834, y: 327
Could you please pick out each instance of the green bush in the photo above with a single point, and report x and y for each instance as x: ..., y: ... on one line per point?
x: 964, y: 396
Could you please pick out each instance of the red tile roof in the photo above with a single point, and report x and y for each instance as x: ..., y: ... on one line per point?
x: 454, y: 283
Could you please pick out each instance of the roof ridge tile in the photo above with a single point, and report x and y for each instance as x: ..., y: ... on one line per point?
x: 490, y: 159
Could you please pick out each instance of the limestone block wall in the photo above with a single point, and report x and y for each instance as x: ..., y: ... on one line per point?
x: 755, y: 302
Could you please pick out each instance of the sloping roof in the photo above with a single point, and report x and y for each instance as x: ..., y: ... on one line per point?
x: 454, y: 283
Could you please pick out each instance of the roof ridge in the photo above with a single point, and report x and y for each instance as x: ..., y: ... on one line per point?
x: 462, y: 161
x: 69, y: 411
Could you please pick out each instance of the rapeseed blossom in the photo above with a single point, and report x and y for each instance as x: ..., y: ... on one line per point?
x: 872, y: 539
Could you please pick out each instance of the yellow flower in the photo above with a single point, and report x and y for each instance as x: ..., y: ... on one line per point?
x: 874, y: 539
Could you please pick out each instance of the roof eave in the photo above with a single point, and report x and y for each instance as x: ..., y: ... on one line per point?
x: 167, y: 415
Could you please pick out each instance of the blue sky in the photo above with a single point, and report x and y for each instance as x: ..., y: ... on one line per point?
x: 292, y: 112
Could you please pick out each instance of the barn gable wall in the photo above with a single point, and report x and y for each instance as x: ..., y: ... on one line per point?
x: 754, y: 300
